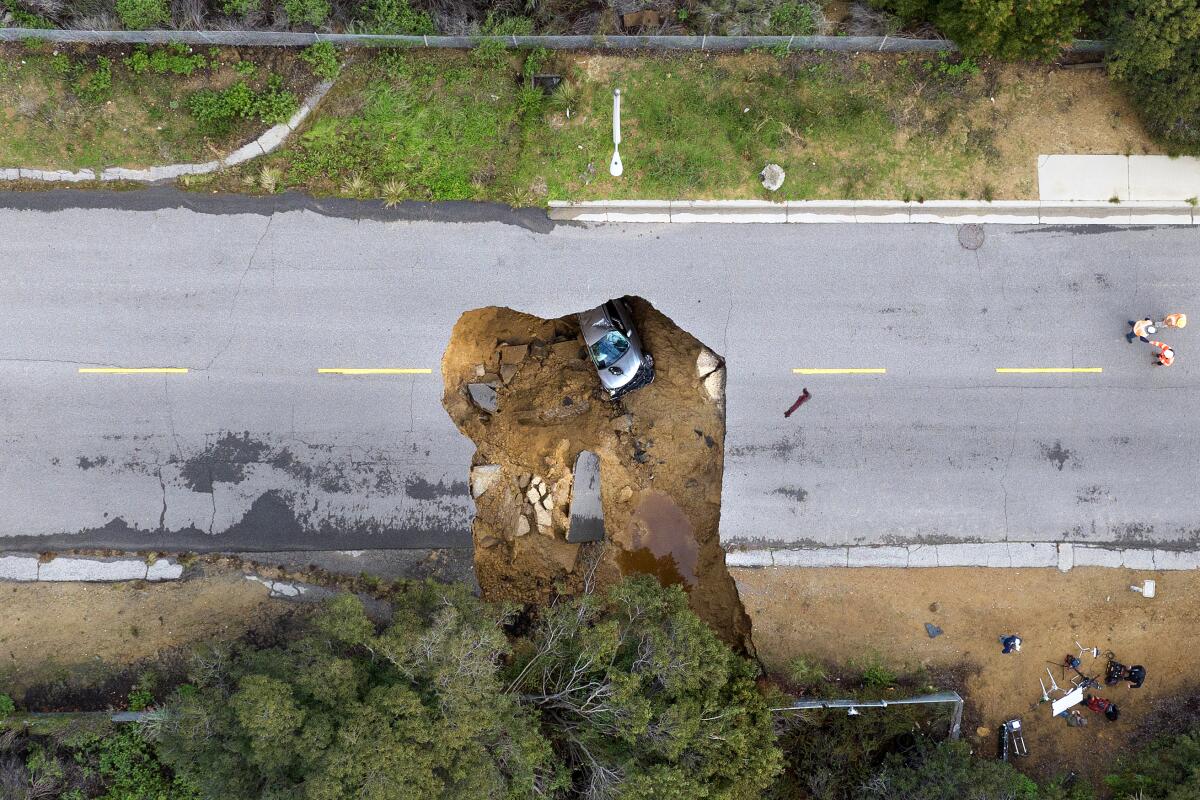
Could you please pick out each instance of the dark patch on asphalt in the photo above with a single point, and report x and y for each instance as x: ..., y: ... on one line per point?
x: 794, y: 493
x: 1057, y: 454
x: 270, y: 511
x: 222, y: 462
x: 1093, y: 494
x: 1102, y: 280
x: 420, y: 489
x: 1134, y: 532
x: 781, y: 449
x: 928, y: 539
x: 157, y: 198
x: 87, y: 463
x: 1077, y: 230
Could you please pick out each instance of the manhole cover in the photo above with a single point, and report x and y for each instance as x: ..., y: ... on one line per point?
x: 971, y: 236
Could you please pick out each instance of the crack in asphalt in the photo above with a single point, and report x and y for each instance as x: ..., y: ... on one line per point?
x: 237, y: 293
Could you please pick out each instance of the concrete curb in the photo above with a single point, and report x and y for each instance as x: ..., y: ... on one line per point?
x: 28, y: 569
x: 946, y: 212
x: 265, y: 143
x: 1063, y: 556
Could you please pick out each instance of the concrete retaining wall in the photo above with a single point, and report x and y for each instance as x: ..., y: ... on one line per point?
x: 1061, y: 555
x: 77, y: 568
x: 950, y: 212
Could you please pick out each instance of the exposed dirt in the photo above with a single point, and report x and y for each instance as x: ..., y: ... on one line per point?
x: 70, y: 631
x: 660, y: 450
x: 841, y: 614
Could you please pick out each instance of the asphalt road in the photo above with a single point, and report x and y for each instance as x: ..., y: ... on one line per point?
x: 252, y: 449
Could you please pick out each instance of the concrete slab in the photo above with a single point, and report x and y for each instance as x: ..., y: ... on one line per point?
x: 1173, y: 559
x: 10, y: 174
x: 1160, y: 213
x: 748, y: 558
x: 1066, y: 556
x: 1098, y: 557
x: 992, y: 554
x: 18, y: 568
x: 299, y: 117
x: 1084, y: 213
x: 820, y: 211
x: 1003, y: 212
x: 587, y: 516
x: 122, y: 174
x: 881, y: 211
x: 1138, y: 559
x: 1032, y: 554
x: 819, y: 557
x: 1083, y: 177
x: 640, y: 211
x: 92, y: 569
x: 922, y: 555
x: 32, y: 174
x: 273, y: 137
x: 1163, y: 178
x: 727, y: 211
x: 164, y: 570
x: 244, y: 153
x: 586, y: 211
x: 877, y: 557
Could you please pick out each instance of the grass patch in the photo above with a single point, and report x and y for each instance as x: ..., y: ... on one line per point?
x: 469, y: 126
x: 74, y: 107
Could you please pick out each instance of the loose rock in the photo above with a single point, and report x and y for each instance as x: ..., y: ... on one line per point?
x: 542, y: 516
x: 488, y: 542
x: 513, y: 353
x: 483, y: 395
x: 482, y: 478
x: 507, y: 372
x: 625, y: 494
x: 706, y: 362
x: 522, y: 525
x: 533, y: 495
x: 523, y: 481
x: 480, y: 370
x: 714, y: 385
x: 623, y: 423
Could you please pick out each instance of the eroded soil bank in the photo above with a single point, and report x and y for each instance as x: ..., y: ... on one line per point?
x: 661, y: 452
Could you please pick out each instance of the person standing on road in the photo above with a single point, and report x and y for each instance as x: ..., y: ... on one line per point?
x: 1175, y: 321
x: 1166, y: 355
x: 1142, y: 329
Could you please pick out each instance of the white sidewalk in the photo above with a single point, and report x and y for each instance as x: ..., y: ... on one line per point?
x: 1125, y: 178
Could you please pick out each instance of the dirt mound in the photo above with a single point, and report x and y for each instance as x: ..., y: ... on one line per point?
x: 661, y: 452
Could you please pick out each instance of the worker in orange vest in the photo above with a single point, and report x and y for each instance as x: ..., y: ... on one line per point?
x: 1142, y: 329
x: 1166, y: 356
x: 1175, y: 321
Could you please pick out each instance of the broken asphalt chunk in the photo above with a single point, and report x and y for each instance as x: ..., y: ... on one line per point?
x: 483, y: 395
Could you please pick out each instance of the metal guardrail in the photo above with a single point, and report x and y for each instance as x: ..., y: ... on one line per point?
x: 855, y: 44
x: 852, y: 706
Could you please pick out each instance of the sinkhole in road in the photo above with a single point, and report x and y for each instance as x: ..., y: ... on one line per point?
x: 660, y: 448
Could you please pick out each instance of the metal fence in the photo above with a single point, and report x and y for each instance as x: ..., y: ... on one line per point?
x: 854, y: 44
x: 852, y: 706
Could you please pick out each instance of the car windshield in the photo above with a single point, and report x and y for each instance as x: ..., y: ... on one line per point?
x: 609, y: 348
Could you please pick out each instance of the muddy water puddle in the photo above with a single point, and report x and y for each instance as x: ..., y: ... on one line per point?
x: 662, y: 542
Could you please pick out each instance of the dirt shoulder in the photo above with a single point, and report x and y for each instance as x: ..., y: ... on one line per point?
x: 70, y: 631
x: 837, y: 615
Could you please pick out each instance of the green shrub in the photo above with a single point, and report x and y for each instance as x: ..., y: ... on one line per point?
x: 875, y: 674
x: 947, y: 771
x: 307, y: 12
x: 322, y: 59
x: 393, y: 17
x: 1007, y: 29
x: 1168, y: 769
x: 176, y: 59
x: 497, y: 25
x: 7, y: 706
x: 806, y: 672
x: 218, y: 109
x: 27, y: 19
x: 793, y: 19
x: 139, y: 15
x: 245, y: 68
x: 1155, y: 56
x: 94, y: 86
x: 240, y: 8
x: 490, y: 53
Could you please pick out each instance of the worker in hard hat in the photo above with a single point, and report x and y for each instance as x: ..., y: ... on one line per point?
x: 1142, y: 329
x: 1166, y: 356
x: 1175, y: 321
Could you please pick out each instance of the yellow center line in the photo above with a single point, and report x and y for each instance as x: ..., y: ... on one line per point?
x: 374, y: 371
x: 868, y: 371
x: 134, y: 370
x: 1037, y: 370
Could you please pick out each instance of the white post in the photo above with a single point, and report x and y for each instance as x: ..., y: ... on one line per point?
x: 615, y: 167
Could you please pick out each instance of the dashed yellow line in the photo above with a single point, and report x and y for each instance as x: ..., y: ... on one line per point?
x: 857, y: 371
x: 374, y: 371
x: 1039, y: 370
x: 134, y: 370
